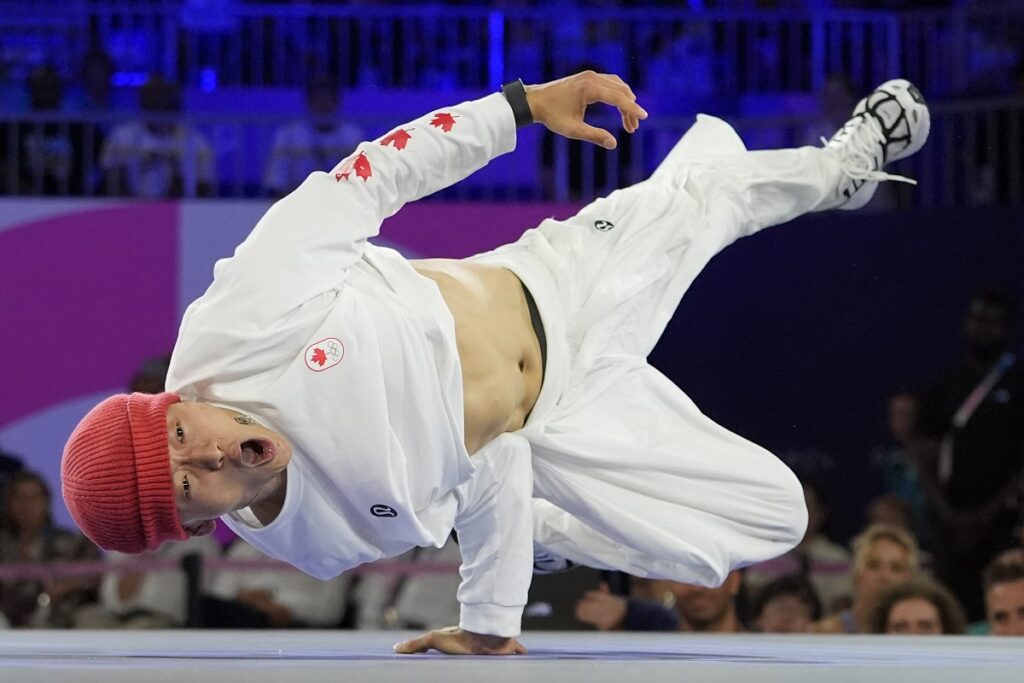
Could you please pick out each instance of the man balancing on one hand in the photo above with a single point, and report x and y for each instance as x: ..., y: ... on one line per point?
x: 335, y: 403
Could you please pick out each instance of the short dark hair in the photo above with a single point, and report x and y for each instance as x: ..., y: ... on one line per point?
x: 1006, y: 567
x: 796, y: 585
x: 951, y: 614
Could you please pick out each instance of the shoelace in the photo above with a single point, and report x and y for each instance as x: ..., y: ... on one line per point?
x: 859, y: 158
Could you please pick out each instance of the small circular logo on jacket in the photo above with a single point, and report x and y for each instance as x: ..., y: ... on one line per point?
x: 603, y: 225
x: 324, y: 354
x: 379, y: 510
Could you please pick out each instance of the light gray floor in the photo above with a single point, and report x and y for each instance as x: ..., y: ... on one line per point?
x: 344, y: 656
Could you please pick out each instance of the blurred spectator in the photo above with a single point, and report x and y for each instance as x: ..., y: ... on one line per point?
x: 150, y: 599
x: 969, y: 444
x: 96, y: 91
x: 1004, y: 593
x: 315, y: 143
x: 50, y: 160
x: 919, y: 607
x: 897, y: 472
x: 159, y: 157
x: 414, y: 601
x: 824, y: 563
x: 284, y: 599
x: 93, y: 96
x: 786, y: 605
x: 883, y: 556
x: 28, y: 535
x: 709, y: 610
x: 683, y: 607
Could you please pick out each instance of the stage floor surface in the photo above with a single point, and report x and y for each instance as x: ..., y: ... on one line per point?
x: 561, y: 657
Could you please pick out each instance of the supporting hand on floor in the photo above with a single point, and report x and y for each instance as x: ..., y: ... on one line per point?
x: 454, y: 641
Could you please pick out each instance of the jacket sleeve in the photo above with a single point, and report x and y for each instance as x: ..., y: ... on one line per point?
x: 495, y: 528
x: 303, y: 246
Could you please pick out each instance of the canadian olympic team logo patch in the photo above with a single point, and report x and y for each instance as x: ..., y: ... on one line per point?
x: 324, y: 354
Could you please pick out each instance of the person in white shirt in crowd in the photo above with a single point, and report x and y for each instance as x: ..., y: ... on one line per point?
x: 287, y: 598
x: 313, y: 143
x: 334, y: 403
x: 149, y: 599
x: 159, y: 156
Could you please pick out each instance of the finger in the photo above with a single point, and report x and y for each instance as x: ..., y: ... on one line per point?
x: 518, y: 648
x: 616, y: 97
x: 410, y: 647
x: 630, y: 121
x: 616, y: 79
x: 599, y: 136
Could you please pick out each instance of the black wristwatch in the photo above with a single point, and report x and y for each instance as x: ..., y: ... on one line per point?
x: 515, y: 93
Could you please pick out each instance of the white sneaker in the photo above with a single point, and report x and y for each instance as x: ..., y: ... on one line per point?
x: 889, y: 124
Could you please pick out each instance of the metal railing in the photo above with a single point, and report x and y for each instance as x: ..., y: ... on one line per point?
x: 436, y: 46
x: 975, y: 156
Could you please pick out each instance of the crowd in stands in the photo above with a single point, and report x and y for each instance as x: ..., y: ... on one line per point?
x: 62, y: 149
x: 942, y: 551
x: 79, y: 135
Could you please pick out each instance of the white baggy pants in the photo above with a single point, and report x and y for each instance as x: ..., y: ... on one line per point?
x: 628, y: 473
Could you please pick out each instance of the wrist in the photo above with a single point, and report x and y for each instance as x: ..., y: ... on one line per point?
x: 516, y: 95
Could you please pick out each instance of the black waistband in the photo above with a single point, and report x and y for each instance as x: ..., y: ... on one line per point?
x: 538, y: 329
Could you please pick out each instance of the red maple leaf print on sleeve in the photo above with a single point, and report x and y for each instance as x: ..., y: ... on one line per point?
x: 399, y: 138
x: 444, y: 121
x: 362, y: 167
x: 360, y: 164
x: 319, y: 357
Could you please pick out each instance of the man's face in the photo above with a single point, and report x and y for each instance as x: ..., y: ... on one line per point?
x: 702, y: 607
x: 28, y: 505
x: 1004, y: 606
x: 885, y: 563
x: 914, y: 616
x: 219, y: 463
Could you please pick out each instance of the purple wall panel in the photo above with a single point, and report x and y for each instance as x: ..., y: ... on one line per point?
x: 90, y: 294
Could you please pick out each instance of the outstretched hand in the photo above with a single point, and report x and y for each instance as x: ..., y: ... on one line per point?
x: 454, y: 641
x: 560, y: 105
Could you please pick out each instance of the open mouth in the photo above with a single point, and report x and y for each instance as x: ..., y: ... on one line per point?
x: 256, y: 452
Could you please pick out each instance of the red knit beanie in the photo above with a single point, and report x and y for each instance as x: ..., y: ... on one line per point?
x: 116, y: 474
